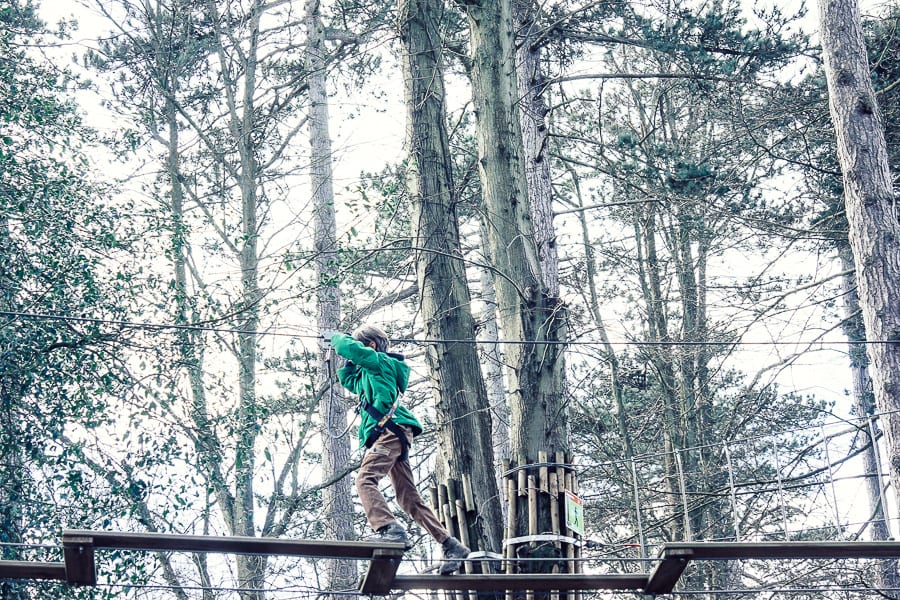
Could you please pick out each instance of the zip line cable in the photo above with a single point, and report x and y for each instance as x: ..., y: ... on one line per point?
x: 15, y: 315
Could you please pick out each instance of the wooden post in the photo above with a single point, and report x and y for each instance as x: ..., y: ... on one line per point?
x: 442, y: 502
x: 468, y: 494
x: 435, y: 503
x: 381, y: 572
x: 511, y: 525
x: 78, y: 553
x: 532, y: 506
x: 560, y: 469
x: 543, y: 458
x: 452, y: 496
x: 463, y: 524
x: 509, y: 551
x: 523, y: 475
x: 554, y: 506
x: 532, y: 516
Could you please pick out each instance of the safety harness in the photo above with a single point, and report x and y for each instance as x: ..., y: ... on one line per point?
x: 385, y: 421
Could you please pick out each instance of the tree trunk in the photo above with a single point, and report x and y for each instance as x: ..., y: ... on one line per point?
x: 870, y: 204
x: 660, y: 357
x: 492, y: 357
x: 593, y: 305
x: 530, y: 316
x: 337, y: 499
x: 463, y: 414
x: 190, y: 343
x: 864, y: 405
x: 535, y: 134
x: 239, y: 97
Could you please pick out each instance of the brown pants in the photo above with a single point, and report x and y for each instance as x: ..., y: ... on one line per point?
x: 383, y: 458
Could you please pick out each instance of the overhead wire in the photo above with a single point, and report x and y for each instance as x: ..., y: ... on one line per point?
x: 14, y: 315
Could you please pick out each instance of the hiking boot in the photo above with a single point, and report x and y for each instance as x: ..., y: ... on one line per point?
x: 393, y: 533
x: 454, y: 552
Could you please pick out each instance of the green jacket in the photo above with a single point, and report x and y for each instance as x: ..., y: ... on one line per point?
x: 375, y: 377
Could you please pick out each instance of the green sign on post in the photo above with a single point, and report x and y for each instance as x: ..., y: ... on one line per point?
x: 574, y: 513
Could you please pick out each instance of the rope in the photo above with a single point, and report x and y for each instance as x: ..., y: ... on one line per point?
x: 329, y: 367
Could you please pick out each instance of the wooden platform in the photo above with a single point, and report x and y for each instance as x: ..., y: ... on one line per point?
x: 384, y: 559
x: 675, y: 556
x: 79, y: 546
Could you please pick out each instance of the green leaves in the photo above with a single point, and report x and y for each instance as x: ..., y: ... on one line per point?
x: 56, y: 374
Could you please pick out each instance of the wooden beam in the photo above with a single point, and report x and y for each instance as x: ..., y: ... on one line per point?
x: 25, y: 569
x: 78, y: 552
x: 382, y: 570
x: 676, y: 555
x: 667, y: 572
x: 162, y: 542
x: 519, y: 582
x: 786, y: 550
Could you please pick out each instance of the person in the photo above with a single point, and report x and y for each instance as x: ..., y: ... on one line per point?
x: 387, y: 429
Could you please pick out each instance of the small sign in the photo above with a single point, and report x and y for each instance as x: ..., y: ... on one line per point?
x: 574, y: 513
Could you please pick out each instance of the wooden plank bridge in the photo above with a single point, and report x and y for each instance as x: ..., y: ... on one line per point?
x: 79, y: 566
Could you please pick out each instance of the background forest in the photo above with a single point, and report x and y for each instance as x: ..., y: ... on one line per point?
x: 615, y: 230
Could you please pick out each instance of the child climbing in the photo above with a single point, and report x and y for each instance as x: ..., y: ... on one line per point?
x: 387, y: 429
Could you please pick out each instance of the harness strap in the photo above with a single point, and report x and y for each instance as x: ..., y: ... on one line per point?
x: 385, y: 421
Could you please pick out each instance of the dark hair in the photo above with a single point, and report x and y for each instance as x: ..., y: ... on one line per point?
x: 372, y: 333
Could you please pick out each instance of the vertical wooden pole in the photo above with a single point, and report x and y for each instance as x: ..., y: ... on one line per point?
x: 442, y: 502
x: 543, y: 458
x: 510, y: 549
x: 511, y: 524
x: 435, y: 503
x: 554, y: 506
x: 532, y: 516
x: 468, y: 494
x: 554, y: 519
x: 523, y: 475
x: 452, y: 496
x: 463, y: 524
x: 532, y: 506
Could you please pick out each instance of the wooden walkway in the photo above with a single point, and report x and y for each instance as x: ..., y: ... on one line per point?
x: 675, y: 556
x: 384, y: 559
